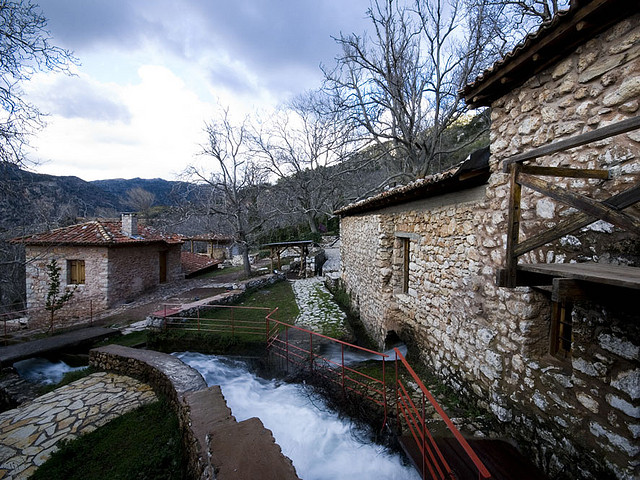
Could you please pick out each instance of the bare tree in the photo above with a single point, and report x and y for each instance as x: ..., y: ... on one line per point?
x: 235, y: 181
x: 297, y: 146
x: 140, y: 200
x: 401, y: 82
x: 25, y: 49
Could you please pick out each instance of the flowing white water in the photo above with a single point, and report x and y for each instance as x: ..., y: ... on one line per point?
x: 41, y: 370
x: 320, y: 444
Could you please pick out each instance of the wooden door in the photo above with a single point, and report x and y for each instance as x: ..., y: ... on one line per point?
x: 163, y: 267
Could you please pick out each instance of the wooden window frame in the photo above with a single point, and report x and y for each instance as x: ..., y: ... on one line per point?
x: 76, y: 272
x: 561, y: 337
x: 404, y: 250
x: 406, y: 259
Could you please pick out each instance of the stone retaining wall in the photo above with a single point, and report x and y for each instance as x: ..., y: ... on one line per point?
x: 203, y: 416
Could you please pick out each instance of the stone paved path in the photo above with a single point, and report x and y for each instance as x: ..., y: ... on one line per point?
x: 318, y: 311
x: 29, y: 434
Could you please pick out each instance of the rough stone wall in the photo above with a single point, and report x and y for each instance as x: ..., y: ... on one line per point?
x: 368, y: 246
x: 90, y: 296
x: 135, y: 269
x: 577, y: 416
x: 167, y: 375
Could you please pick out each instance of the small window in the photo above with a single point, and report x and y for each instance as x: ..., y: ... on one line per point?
x: 406, y: 253
x: 561, y: 329
x: 75, y: 272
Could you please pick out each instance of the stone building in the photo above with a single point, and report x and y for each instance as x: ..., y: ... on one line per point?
x: 516, y: 276
x: 106, y: 262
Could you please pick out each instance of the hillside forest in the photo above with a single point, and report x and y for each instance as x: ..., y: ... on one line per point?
x: 388, y: 112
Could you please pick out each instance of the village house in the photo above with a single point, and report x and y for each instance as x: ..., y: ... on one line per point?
x: 515, y: 273
x: 104, y: 262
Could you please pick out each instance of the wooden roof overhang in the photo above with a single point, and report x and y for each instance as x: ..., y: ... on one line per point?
x: 550, y: 43
x: 471, y: 173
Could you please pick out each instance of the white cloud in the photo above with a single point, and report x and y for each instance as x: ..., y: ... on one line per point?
x: 159, y: 139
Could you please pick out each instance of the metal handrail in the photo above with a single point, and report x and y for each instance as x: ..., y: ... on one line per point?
x: 432, y: 457
x: 350, y: 379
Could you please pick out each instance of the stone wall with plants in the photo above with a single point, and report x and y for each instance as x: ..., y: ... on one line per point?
x: 91, y: 296
x: 580, y: 416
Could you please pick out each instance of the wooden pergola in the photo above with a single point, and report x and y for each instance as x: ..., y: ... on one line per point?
x: 277, y: 248
x: 213, y: 240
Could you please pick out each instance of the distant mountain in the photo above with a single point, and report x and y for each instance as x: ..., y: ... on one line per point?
x: 167, y: 193
x: 34, y: 199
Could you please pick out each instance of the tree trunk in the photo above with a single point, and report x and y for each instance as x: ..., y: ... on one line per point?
x: 245, y: 260
x: 312, y: 223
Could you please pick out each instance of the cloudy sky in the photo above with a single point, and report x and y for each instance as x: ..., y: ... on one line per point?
x: 152, y: 72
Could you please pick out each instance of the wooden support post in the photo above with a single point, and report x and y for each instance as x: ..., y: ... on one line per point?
x: 513, y: 232
x: 271, y: 253
x: 567, y: 290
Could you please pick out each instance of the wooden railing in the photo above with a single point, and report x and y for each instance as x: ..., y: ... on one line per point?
x: 589, y: 209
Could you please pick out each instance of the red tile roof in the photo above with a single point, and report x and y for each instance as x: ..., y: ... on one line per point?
x: 194, y: 262
x: 98, y: 233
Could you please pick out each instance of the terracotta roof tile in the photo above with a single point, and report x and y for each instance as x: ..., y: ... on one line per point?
x: 194, y: 262
x: 97, y: 233
x: 551, y: 42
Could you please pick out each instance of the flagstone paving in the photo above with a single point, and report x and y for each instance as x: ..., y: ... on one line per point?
x: 30, y: 433
x: 318, y: 311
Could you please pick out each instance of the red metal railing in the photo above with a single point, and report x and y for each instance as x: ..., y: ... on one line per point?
x: 37, y: 318
x: 219, y: 319
x: 434, y: 465
x: 302, y: 348
x: 305, y: 353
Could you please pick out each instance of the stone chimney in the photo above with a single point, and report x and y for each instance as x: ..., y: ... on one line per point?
x: 130, y: 224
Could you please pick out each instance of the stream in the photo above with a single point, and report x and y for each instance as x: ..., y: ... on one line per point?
x: 44, y: 371
x: 321, y: 445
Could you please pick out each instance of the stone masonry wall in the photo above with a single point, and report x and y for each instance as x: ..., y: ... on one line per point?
x: 135, y: 269
x: 90, y: 296
x: 577, y: 416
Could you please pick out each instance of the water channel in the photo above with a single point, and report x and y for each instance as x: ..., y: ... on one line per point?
x: 44, y: 371
x: 320, y: 443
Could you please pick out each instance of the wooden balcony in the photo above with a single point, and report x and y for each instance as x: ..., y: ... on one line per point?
x: 568, y: 280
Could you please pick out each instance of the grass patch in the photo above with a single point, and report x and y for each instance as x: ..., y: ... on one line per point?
x: 143, y: 444
x: 132, y: 339
x: 221, y: 271
x: 204, y: 342
x: 180, y: 339
x: 279, y: 295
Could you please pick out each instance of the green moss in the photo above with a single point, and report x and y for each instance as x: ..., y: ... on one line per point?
x: 143, y: 444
